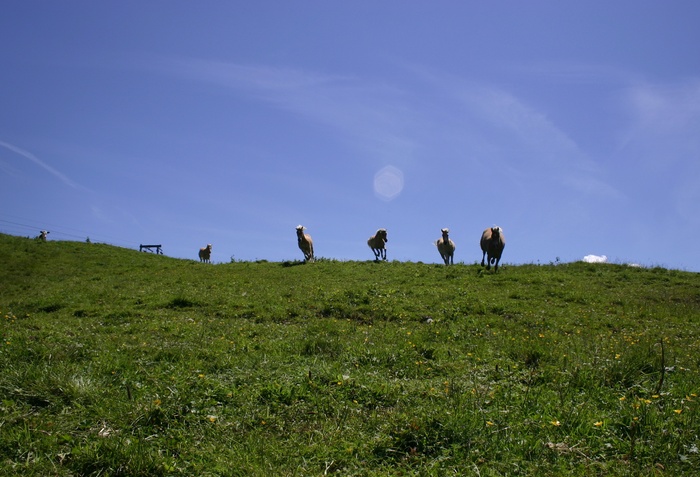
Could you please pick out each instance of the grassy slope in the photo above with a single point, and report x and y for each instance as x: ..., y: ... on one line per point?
x: 117, y: 362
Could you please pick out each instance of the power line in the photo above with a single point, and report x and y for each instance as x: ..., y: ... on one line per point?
x: 59, y: 231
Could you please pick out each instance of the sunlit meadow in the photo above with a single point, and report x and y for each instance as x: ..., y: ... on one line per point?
x: 117, y: 362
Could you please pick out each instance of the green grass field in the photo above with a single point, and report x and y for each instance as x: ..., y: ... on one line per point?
x: 116, y: 362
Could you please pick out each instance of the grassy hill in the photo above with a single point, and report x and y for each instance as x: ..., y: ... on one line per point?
x: 117, y: 362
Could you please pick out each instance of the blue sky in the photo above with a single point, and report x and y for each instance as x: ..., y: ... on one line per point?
x: 575, y: 126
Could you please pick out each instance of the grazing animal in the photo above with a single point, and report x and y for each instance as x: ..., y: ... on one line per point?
x: 446, y: 247
x: 377, y: 243
x: 306, y: 245
x: 42, y: 235
x: 205, y: 254
x: 492, y: 243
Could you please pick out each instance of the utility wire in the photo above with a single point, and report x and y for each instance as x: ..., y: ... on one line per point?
x: 58, y: 230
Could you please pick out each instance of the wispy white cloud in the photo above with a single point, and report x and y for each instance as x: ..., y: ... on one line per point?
x: 660, y: 142
x: 391, y: 123
x: 543, y: 149
x: 663, y: 118
x: 371, y: 115
x: 663, y: 109
x: 571, y: 72
x: 655, y: 108
x: 31, y: 157
x: 529, y: 126
x: 663, y: 137
x: 257, y: 77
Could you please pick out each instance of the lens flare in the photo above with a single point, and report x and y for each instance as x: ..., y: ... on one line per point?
x: 388, y: 183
